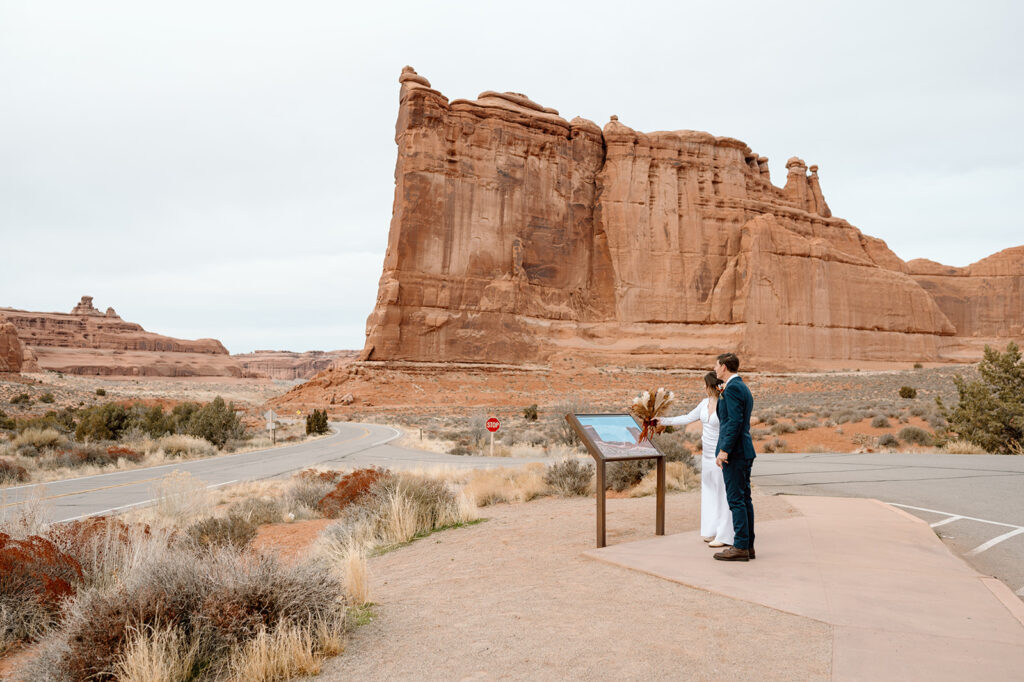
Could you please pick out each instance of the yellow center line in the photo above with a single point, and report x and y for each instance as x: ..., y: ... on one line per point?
x: 365, y: 433
x: 82, y: 492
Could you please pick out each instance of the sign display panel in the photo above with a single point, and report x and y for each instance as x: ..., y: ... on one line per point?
x: 614, y: 435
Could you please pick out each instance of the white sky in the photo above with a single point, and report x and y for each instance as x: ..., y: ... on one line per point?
x: 226, y: 170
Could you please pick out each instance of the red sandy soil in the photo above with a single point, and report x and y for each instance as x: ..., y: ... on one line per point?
x: 288, y: 540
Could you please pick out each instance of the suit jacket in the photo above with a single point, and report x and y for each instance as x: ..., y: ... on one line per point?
x: 734, y: 408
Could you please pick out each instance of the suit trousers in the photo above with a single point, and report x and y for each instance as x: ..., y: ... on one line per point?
x: 737, y: 491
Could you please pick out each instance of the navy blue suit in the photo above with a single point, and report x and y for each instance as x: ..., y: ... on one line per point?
x: 734, y: 408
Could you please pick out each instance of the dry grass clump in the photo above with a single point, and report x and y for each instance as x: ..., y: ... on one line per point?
x: 916, y: 435
x: 214, y: 531
x: 10, y: 472
x: 962, y: 447
x: 570, y: 477
x: 204, y: 607
x: 678, y: 476
x: 258, y: 510
x: 180, y: 445
x: 180, y: 497
x: 40, y: 438
x: 490, y: 486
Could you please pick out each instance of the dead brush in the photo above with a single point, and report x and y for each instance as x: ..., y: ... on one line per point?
x: 570, y: 477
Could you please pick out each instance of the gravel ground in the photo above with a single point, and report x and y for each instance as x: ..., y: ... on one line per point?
x: 513, y: 598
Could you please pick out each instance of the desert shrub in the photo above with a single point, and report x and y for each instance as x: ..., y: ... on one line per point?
x: 570, y: 477
x: 428, y: 500
x: 775, y: 445
x: 918, y: 411
x: 219, y: 600
x: 35, y: 579
x: 258, y: 510
x: 178, y: 444
x: 214, y: 531
x: 622, y: 475
x: 491, y: 486
x: 962, y: 447
x: 887, y: 440
x: 564, y: 433
x: 11, y: 472
x: 151, y: 421
x: 76, y: 456
x: 758, y: 434
x: 915, y: 435
x: 351, y: 487
x: 116, y: 452
x: 180, y: 496
x: 47, y: 398
x: 880, y: 422
x: 316, y: 422
x: 531, y: 437
x: 848, y: 416
x: 102, y: 422
x: 918, y: 365
x: 990, y: 409
x: 215, y: 422
x: 28, y: 450
x: 460, y: 449
x: 780, y: 428
x: 101, y: 391
x: 678, y: 476
x: 6, y: 423
x: 39, y: 438
x: 21, y: 399
x: 908, y: 392
x: 303, y: 494
x: 530, y: 413
x: 673, y: 446
x: 803, y: 425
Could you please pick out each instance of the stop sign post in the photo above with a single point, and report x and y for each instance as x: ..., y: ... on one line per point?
x: 492, y: 425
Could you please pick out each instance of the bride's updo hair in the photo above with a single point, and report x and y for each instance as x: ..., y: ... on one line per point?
x: 711, y: 381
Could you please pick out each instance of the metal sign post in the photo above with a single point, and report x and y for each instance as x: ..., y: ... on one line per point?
x: 492, y: 425
x: 271, y: 425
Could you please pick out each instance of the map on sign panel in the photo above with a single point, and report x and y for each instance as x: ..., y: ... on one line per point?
x: 615, y: 435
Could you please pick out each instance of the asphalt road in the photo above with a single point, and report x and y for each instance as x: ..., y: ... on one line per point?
x: 975, y: 503
x: 352, y: 445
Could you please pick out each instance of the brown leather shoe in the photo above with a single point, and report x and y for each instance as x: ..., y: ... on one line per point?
x: 733, y: 554
x: 751, y: 552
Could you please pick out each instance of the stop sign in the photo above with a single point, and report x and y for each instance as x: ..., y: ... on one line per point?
x: 492, y: 424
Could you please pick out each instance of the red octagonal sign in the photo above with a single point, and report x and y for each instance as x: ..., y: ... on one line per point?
x: 492, y: 424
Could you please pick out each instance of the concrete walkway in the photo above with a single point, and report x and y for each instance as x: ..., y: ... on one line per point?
x: 901, y: 605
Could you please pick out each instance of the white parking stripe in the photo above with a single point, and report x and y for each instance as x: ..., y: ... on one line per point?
x: 969, y: 518
x: 994, y: 541
x: 943, y: 522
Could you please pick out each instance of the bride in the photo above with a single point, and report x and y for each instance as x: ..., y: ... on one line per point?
x: 715, y: 517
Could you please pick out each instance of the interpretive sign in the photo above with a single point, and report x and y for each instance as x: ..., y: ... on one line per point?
x: 612, y: 438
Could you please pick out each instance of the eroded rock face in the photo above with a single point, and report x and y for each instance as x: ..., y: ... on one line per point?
x: 520, y: 237
x: 12, y: 353
x: 985, y: 299
x: 282, y: 364
x: 88, y: 341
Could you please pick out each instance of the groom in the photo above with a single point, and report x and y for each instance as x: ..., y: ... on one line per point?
x: 736, y: 455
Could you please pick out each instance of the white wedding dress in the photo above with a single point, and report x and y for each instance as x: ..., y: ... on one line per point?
x: 715, y: 516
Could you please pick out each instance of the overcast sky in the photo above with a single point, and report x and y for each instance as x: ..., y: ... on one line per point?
x: 226, y: 170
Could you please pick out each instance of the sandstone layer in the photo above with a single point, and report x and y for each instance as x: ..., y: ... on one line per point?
x: 287, y: 365
x: 12, y: 352
x: 87, y: 341
x: 520, y: 237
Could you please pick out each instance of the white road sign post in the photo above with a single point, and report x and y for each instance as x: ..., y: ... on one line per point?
x: 271, y: 425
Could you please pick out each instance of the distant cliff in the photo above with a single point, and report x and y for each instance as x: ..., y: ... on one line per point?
x: 518, y: 236
x: 87, y: 341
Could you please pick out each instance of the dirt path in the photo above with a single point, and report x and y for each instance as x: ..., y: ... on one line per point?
x: 513, y: 598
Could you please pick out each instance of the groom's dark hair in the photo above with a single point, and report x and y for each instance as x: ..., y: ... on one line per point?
x: 731, y: 362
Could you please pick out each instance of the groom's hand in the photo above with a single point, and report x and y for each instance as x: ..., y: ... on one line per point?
x: 723, y: 458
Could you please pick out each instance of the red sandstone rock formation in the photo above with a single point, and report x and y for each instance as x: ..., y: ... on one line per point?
x: 87, y: 341
x: 12, y: 353
x: 520, y: 237
x: 282, y: 364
